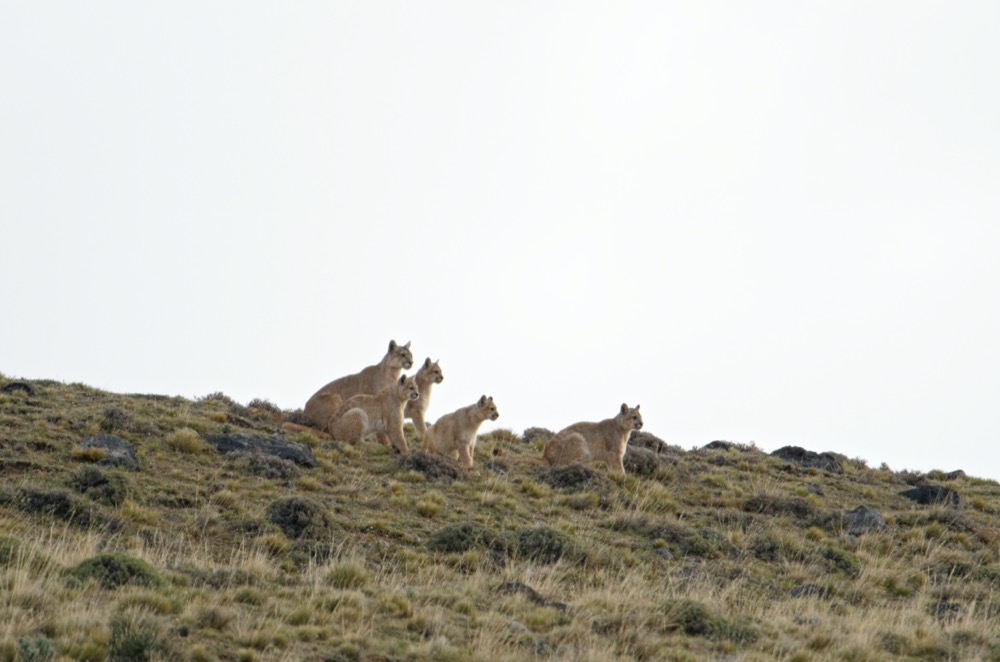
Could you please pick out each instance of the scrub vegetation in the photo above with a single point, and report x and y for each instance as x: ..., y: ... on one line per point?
x: 723, y: 552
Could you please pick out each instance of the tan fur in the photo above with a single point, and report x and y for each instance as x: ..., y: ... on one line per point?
x: 454, y: 434
x: 322, y: 405
x: 428, y: 375
x: 605, y: 441
x: 381, y: 413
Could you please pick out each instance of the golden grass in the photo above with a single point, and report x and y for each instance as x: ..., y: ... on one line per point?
x: 698, y: 562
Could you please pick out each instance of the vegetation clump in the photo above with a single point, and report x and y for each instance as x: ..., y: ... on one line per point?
x: 695, y: 619
x: 241, y: 554
x: 264, y: 466
x: 99, y: 486
x: 575, y: 476
x: 134, y: 638
x: 114, y: 569
x: 546, y: 545
x: 301, y: 518
x: 432, y: 466
x: 59, y: 503
x: 464, y: 536
x: 679, y: 537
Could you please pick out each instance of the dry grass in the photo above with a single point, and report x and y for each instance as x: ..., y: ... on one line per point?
x: 718, y: 555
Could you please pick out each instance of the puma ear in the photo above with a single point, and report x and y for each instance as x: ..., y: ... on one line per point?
x: 491, y: 398
x: 392, y: 345
x: 427, y: 363
x: 637, y: 407
x: 624, y: 408
x: 402, y: 379
x: 407, y: 345
x: 482, y: 401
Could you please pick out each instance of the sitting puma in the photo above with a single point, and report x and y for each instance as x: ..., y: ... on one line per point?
x: 372, y: 379
x: 595, y: 442
x: 381, y: 413
x: 454, y: 434
x: 428, y: 375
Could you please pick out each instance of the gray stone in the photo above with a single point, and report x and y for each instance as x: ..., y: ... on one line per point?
x: 864, y: 520
x: 933, y: 494
x: 825, y: 461
x: 242, y: 442
x: 118, y: 452
x: 537, y: 433
x: 643, y: 439
x: 10, y: 387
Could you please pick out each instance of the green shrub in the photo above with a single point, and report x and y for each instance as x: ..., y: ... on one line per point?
x: 112, y: 570
x: 696, y: 620
x: 545, y: 545
x: 35, y: 649
x: 301, y: 517
x: 464, y: 536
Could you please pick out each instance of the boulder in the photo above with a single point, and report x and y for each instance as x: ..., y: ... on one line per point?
x: 933, y: 494
x: 824, y: 461
x: 863, y: 520
x: 118, y: 452
x: 643, y: 439
x: 242, y: 442
x: 537, y: 433
x: 10, y: 387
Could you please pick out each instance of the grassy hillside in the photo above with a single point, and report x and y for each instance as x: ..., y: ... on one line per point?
x: 722, y: 553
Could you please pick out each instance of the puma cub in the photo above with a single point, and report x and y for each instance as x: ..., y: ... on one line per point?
x: 321, y: 406
x: 381, y: 413
x: 428, y: 375
x: 605, y: 441
x: 454, y: 434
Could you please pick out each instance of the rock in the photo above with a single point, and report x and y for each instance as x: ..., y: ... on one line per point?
x: 863, y: 520
x: 516, y: 627
x: 10, y: 387
x: 537, y: 433
x: 825, y: 461
x: 254, y: 443
x: 933, y: 494
x: 119, y: 452
x: 643, y: 439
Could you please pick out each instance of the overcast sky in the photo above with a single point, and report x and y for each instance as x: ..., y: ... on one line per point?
x: 764, y: 222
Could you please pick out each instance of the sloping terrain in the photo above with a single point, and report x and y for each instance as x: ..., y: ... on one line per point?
x: 126, y: 533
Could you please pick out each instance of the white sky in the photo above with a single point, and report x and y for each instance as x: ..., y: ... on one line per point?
x: 768, y: 222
